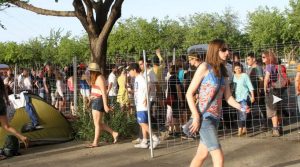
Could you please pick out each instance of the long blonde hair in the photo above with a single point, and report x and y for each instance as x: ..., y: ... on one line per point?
x: 213, y: 59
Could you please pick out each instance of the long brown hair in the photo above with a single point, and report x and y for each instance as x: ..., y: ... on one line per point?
x: 94, y: 75
x: 213, y: 59
x: 270, y: 57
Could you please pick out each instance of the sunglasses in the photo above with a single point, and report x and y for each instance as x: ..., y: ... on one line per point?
x: 263, y: 57
x: 224, y: 49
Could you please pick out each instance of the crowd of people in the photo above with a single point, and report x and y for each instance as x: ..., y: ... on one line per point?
x: 184, y: 96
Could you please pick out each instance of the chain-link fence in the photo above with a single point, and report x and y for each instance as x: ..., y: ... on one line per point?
x: 64, y: 86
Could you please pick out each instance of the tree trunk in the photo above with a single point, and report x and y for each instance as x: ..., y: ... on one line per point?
x: 99, y: 52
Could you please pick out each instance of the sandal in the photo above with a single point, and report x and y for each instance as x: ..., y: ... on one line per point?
x: 91, y: 146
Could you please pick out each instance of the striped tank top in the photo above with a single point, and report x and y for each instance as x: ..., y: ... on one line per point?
x: 96, y: 91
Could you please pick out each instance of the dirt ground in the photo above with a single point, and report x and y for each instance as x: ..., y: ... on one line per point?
x: 246, y: 152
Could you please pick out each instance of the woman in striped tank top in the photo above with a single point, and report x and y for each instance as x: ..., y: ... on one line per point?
x: 99, y: 104
x: 211, y: 80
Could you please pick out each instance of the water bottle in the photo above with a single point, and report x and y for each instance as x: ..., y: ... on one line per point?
x: 242, y: 114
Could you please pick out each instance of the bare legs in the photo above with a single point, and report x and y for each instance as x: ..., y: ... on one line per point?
x: 202, y: 154
x: 99, y: 126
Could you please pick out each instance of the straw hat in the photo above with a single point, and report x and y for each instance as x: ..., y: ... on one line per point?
x: 94, y: 67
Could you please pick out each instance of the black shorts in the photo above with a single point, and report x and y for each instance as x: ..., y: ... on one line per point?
x: 97, y: 104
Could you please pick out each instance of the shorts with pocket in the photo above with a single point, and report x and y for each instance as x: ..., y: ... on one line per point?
x: 209, y: 133
x: 97, y: 104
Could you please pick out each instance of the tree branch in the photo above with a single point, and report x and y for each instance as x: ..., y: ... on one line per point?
x: 41, y: 11
x: 113, y: 17
x: 90, y: 16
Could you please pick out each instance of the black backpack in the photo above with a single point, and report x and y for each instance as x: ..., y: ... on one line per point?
x: 11, y: 146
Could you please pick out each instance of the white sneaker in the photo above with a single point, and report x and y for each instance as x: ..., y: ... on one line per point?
x: 136, y: 141
x: 155, y: 142
x: 141, y: 145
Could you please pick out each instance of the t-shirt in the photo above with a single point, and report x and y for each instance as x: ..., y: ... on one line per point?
x: 243, y: 87
x: 271, y: 68
x: 255, y: 73
x: 229, y: 72
x: 152, y: 80
x: 114, y: 88
x: 24, y: 83
x: 140, y: 93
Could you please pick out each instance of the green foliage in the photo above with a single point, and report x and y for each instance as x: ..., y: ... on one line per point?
x: 117, y: 120
x: 265, y: 26
x: 120, y: 122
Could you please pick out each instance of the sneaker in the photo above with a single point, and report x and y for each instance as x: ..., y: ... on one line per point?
x: 136, y: 141
x: 141, y: 145
x: 275, y: 133
x: 155, y: 142
x: 38, y: 127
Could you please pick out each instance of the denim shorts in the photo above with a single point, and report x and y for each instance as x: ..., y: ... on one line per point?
x: 209, y: 133
x: 97, y: 104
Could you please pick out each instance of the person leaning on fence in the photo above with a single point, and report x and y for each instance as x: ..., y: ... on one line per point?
x: 269, y: 59
x: 4, y: 102
x: 140, y: 99
x: 211, y: 80
x: 243, y: 88
x: 99, y: 104
x: 297, y: 86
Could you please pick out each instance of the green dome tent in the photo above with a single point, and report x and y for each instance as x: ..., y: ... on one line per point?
x: 56, y: 128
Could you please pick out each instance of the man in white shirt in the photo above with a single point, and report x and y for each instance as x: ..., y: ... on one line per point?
x: 24, y: 81
x: 112, y: 86
x: 140, y: 99
x: 152, y: 83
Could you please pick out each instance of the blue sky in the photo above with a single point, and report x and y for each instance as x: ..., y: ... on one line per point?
x: 22, y: 25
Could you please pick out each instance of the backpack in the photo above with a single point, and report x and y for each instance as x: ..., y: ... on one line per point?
x: 11, y: 146
x: 282, y: 80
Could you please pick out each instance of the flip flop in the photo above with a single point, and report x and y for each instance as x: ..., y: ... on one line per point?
x: 91, y: 146
x: 116, y: 138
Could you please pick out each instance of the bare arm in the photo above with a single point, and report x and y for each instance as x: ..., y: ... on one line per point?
x: 229, y: 98
x: 45, y: 84
x: 195, y: 83
x: 297, y: 80
x: 109, y: 87
x: 266, y: 81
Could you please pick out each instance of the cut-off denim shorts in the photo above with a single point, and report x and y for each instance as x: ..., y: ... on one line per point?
x: 97, y: 104
x: 209, y: 133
